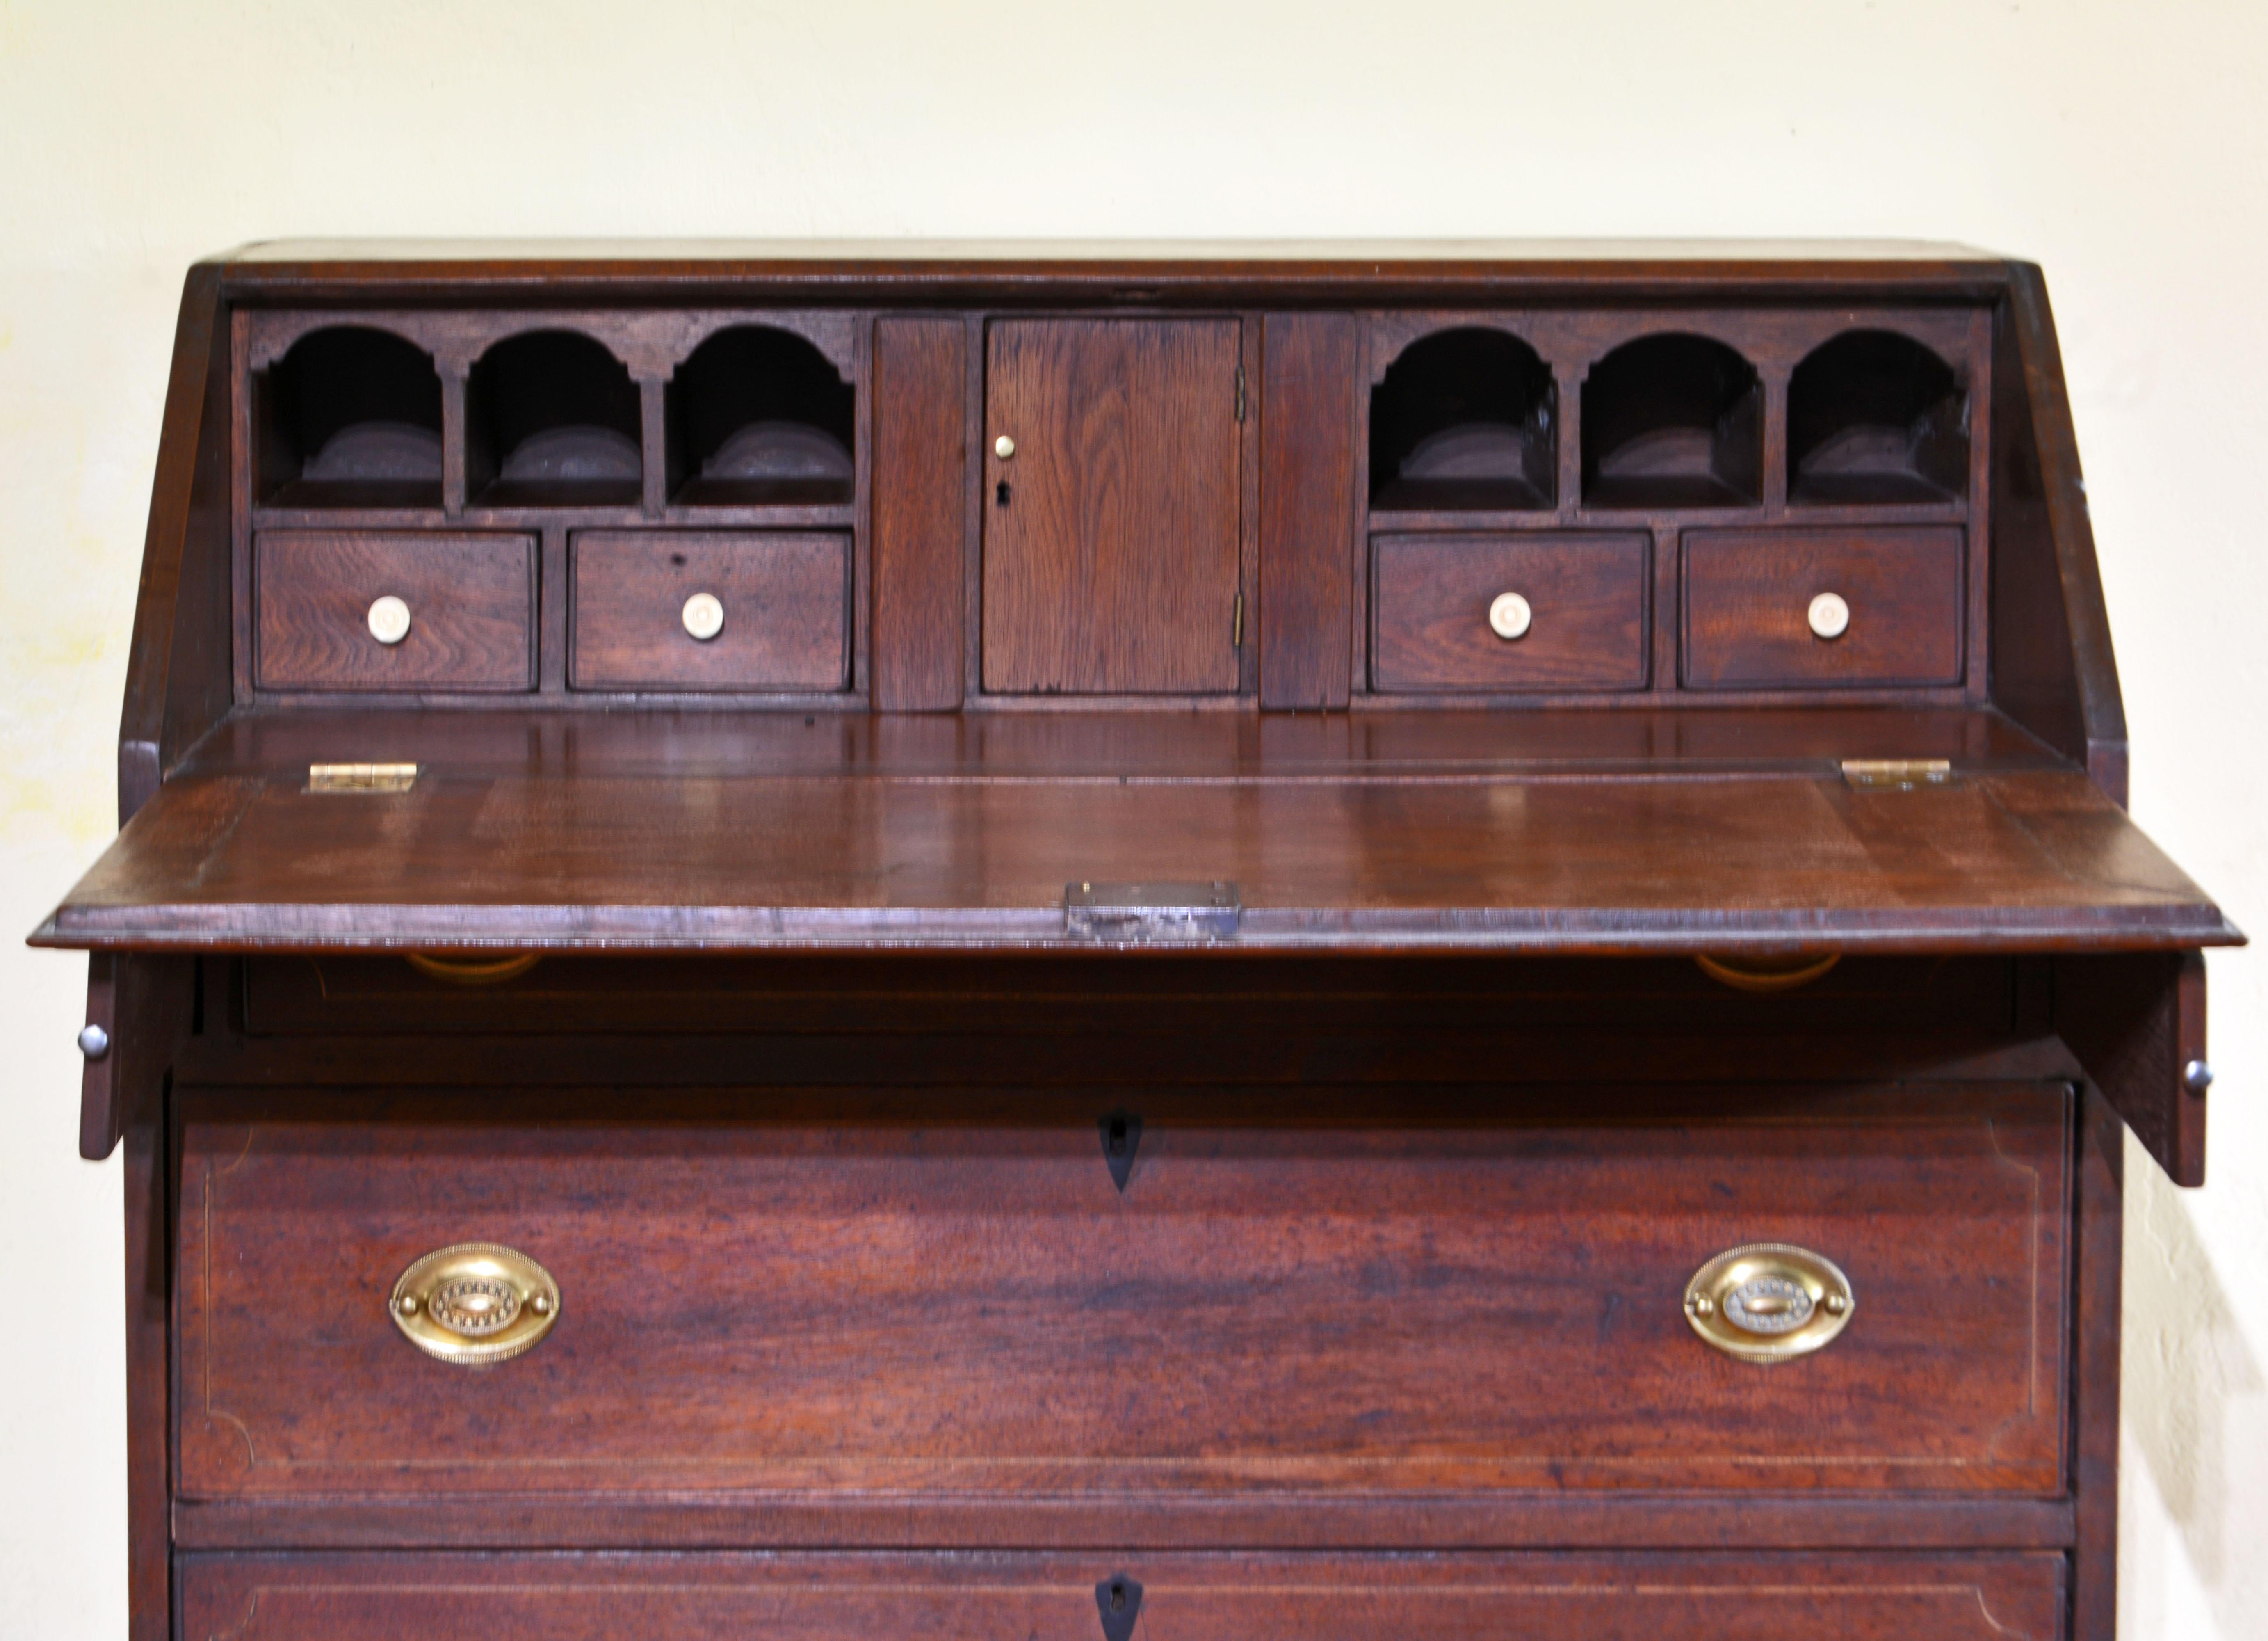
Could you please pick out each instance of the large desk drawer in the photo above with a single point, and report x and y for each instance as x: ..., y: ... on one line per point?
x: 1067, y: 1598
x: 1300, y: 1293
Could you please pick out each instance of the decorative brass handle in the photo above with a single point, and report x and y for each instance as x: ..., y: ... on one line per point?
x: 474, y: 1302
x: 1768, y: 1302
x: 1768, y: 974
x: 472, y: 971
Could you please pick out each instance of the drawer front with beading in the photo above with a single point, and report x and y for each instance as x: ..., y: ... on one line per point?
x: 2009, y: 1597
x: 996, y: 1294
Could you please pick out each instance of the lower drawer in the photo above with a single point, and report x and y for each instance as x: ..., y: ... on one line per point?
x: 1296, y: 1295
x: 1099, y: 1598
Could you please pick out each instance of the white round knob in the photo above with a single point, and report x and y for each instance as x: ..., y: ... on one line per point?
x: 94, y: 1042
x: 1509, y: 617
x: 389, y: 619
x: 704, y: 615
x: 1003, y: 447
x: 1829, y: 616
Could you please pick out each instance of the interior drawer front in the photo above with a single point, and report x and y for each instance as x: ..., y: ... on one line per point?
x: 1626, y: 1597
x: 1748, y: 595
x: 470, y: 599
x: 784, y: 597
x: 1586, y: 601
x: 945, y: 1292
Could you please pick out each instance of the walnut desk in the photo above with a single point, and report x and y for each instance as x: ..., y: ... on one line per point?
x: 1125, y: 941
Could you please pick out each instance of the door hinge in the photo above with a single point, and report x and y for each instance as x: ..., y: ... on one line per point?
x: 1240, y: 395
x: 1896, y: 774
x: 361, y: 777
x: 1236, y: 624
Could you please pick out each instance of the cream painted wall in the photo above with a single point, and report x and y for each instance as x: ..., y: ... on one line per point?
x: 2123, y: 146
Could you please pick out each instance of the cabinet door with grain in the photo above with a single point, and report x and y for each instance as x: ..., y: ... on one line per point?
x: 1112, y: 507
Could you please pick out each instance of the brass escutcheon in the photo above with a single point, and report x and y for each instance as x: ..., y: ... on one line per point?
x: 474, y: 1302
x: 1767, y: 1302
x: 472, y: 971
x: 1768, y: 974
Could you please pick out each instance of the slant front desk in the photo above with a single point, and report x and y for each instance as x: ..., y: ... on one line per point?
x: 1126, y: 942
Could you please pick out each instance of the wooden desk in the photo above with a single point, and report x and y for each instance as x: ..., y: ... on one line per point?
x: 1126, y: 939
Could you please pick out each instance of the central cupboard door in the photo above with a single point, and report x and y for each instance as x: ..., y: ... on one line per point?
x: 1111, y: 512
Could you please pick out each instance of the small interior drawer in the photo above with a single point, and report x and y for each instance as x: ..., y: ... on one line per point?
x: 469, y: 598
x: 1544, y: 610
x: 1750, y: 596
x: 777, y: 603
x: 1743, y: 1595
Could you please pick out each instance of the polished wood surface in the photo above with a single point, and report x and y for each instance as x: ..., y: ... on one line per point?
x: 785, y: 594
x: 1054, y: 1598
x: 972, y: 845
x: 922, y: 499
x: 471, y: 600
x: 1587, y: 595
x: 806, y: 1098
x: 1111, y: 536
x: 1015, y: 1323
x: 1309, y: 459
x: 1748, y: 593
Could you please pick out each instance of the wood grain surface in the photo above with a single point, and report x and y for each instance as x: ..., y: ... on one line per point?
x: 1418, y: 1294
x: 1748, y: 593
x: 1111, y: 566
x: 786, y: 597
x: 1309, y: 421
x: 920, y: 511
x: 1430, y: 603
x: 1628, y: 1597
x: 1432, y: 831
x: 472, y: 610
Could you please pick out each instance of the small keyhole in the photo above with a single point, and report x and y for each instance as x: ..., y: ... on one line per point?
x: 1000, y: 492
x: 1118, y: 1598
x: 1118, y: 1144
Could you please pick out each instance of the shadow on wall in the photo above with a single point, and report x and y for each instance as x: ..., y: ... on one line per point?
x: 2183, y: 1361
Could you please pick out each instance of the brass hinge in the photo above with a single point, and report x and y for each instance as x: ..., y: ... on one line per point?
x: 1897, y: 774
x: 1240, y: 395
x: 361, y: 777
x: 1236, y: 619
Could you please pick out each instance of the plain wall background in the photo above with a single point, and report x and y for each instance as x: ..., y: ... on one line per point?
x: 2120, y: 144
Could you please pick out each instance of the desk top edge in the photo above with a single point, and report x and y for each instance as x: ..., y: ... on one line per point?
x: 308, y: 267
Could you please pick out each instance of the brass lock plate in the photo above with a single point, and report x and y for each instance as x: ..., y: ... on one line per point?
x: 474, y: 1302
x: 1768, y: 1302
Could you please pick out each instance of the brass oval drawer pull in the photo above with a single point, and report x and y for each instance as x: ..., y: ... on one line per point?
x: 472, y: 971
x: 475, y: 1302
x: 1767, y: 974
x: 1767, y: 1302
